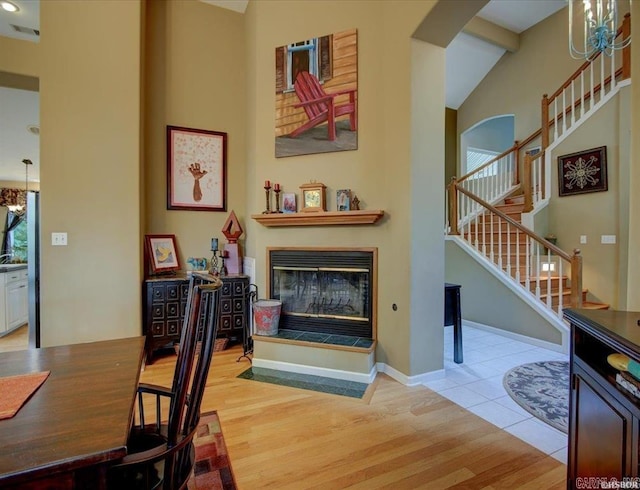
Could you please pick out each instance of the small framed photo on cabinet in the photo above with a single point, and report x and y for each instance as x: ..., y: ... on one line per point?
x: 289, y: 202
x: 343, y: 200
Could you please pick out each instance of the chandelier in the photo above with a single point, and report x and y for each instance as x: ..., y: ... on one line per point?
x: 600, y: 25
x: 20, y: 206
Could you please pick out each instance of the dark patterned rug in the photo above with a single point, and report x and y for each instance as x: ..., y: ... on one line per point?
x: 542, y: 389
x: 212, y: 470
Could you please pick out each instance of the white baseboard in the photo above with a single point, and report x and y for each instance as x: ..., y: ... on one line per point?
x: 563, y: 349
x: 416, y: 380
x: 316, y: 371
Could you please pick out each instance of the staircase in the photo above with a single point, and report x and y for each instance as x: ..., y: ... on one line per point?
x: 485, y: 217
x: 503, y: 248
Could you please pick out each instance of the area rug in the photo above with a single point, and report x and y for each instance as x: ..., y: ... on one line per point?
x: 212, y: 470
x: 311, y: 382
x: 542, y: 389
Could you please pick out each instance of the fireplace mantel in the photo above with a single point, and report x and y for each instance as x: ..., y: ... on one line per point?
x: 322, y: 218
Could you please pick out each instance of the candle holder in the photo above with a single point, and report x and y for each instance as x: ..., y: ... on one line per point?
x: 214, y: 264
x: 277, y: 192
x: 223, y: 269
x: 267, y: 191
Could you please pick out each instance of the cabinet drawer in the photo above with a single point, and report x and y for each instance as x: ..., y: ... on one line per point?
x: 14, y: 276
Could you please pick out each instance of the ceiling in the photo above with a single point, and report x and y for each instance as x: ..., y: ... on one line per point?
x: 468, y: 60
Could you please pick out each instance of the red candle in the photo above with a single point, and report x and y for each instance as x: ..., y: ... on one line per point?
x: 267, y: 184
x: 276, y: 187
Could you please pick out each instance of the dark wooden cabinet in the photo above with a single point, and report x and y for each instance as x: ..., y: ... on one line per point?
x: 164, y: 305
x: 604, y: 418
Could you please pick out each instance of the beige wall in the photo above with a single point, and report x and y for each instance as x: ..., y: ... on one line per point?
x: 594, y: 214
x: 633, y: 289
x: 480, y: 288
x: 516, y: 84
x: 90, y: 152
x: 379, y: 172
x: 195, y: 78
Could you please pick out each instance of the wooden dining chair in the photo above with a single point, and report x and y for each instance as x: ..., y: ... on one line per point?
x: 161, y: 453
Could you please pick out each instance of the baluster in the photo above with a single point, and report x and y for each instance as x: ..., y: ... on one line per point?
x: 613, y: 73
x: 476, y: 230
x: 484, y: 235
x: 564, y: 108
x: 500, y: 243
x: 527, y: 263
x: 492, y: 255
x: 549, y: 277
x: 537, y: 261
x: 518, y: 255
x: 508, y: 249
x: 601, y: 77
x: 555, y: 118
x: 582, y: 95
x: 593, y: 95
x: 573, y: 98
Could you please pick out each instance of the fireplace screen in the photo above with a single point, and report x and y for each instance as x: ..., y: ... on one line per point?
x: 323, y: 292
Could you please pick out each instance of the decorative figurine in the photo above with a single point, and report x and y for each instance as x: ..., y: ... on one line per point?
x: 355, y: 203
x: 232, y: 253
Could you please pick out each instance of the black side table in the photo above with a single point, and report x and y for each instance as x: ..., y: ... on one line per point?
x: 452, y: 316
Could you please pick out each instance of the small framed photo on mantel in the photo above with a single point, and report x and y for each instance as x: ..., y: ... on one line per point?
x: 289, y: 202
x: 343, y: 200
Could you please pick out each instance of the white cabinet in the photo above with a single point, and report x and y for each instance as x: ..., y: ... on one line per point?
x: 14, y: 300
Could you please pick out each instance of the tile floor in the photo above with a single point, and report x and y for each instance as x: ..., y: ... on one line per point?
x: 477, y: 385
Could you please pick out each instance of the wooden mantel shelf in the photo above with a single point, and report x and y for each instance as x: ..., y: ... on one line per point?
x: 361, y: 217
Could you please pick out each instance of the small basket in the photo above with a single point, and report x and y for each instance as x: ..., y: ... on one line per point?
x: 218, y: 345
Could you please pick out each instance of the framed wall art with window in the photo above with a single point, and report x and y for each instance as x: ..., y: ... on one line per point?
x: 307, y: 85
x: 196, y: 169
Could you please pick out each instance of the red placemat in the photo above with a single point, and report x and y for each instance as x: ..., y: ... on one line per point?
x: 16, y: 390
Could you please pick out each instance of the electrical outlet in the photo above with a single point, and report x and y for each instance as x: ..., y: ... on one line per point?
x: 58, y: 239
x: 583, y: 239
x: 608, y: 239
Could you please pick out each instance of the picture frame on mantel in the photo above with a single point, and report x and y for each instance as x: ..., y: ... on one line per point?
x: 161, y: 253
x: 196, y: 169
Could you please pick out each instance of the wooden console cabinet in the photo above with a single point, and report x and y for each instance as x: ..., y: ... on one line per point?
x: 164, y: 305
x: 604, y: 418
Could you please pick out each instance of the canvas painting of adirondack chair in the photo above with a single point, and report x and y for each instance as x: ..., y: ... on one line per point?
x: 317, y: 95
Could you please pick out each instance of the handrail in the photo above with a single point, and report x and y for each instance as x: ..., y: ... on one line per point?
x: 584, y: 65
x: 579, y: 101
x: 490, y: 162
x: 512, y: 222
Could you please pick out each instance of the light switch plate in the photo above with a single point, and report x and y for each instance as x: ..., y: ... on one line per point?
x: 58, y: 239
x: 583, y: 239
x: 608, y: 239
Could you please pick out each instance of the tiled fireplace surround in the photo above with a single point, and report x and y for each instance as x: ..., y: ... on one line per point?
x: 328, y: 296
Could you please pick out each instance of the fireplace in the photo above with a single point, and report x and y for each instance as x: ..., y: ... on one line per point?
x: 330, y: 291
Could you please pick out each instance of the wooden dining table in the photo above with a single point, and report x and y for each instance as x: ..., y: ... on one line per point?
x: 76, y: 424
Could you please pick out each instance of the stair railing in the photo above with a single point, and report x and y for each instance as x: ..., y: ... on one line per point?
x: 585, y: 91
x: 536, y: 265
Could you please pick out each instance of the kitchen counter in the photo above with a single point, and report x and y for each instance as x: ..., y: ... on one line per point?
x: 12, y: 267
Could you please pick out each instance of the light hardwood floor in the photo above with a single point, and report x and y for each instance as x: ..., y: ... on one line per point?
x: 16, y: 340
x: 397, y: 437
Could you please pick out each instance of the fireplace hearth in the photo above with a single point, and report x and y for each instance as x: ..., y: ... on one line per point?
x: 330, y: 291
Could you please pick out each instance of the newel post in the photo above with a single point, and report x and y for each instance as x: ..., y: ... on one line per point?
x: 526, y: 184
x: 453, y: 207
x: 545, y: 121
x: 626, y: 52
x: 576, y: 279
x: 516, y: 174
